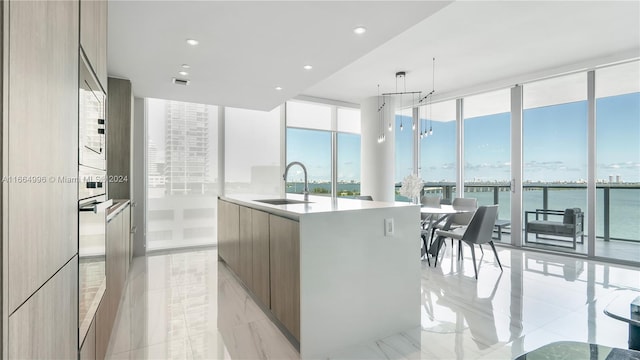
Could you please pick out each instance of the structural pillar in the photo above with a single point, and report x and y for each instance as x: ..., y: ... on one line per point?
x: 516, y: 166
x: 378, y: 158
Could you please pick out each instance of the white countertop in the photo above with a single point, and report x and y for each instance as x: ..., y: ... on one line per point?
x: 316, y: 204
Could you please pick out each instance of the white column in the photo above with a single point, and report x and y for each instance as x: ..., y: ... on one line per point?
x: 378, y: 159
x: 334, y: 151
x: 221, y: 150
x: 591, y: 163
x: 283, y: 147
x: 459, y: 148
x: 516, y: 165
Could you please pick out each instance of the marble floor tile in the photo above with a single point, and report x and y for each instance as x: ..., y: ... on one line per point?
x: 259, y: 339
x: 186, y: 305
x: 174, y: 349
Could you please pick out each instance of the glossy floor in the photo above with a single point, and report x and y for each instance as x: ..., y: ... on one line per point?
x: 186, y: 305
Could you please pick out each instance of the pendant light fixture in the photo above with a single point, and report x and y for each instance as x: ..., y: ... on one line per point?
x: 420, y: 124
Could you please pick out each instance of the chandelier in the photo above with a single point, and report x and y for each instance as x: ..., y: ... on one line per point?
x: 383, y: 117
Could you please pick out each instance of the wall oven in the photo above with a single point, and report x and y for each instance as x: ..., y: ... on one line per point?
x: 91, y: 258
x: 92, y: 198
x: 92, y: 126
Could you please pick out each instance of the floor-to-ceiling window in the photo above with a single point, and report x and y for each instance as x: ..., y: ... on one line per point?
x: 348, y: 147
x: 313, y: 149
x: 252, y: 152
x: 403, y: 148
x: 487, y: 150
x: 182, y: 174
x: 438, y: 148
x: 555, y: 151
x: 314, y: 132
x: 618, y: 162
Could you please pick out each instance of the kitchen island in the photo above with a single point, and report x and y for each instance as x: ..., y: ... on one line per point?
x: 330, y: 273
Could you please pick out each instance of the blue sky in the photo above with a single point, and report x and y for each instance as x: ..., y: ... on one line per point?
x: 555, y: 145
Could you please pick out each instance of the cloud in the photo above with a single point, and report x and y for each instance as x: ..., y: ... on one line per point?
x: 496, y: 165
x: 622, y: 165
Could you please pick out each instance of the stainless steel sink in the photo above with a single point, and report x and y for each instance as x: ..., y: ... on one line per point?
x: 282, y: 201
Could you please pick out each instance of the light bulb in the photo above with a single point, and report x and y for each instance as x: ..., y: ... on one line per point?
x: 430, y: 131
x: 390, y: 127
x: 413, y: 127
x: 421, y: 135
x: 401, y: 127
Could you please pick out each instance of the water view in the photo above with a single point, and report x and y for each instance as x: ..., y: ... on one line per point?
x: 624, y: 202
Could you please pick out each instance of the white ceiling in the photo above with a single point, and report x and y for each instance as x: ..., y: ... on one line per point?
x: 482, y: 45
x: 247, y: 48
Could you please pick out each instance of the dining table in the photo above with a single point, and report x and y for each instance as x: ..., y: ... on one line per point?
x: 442, y: 214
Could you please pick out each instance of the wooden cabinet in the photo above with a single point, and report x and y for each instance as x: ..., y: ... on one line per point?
x: 245, y: 248
x: 126, y: 241
x: 253, y: 253
x: 114, y: 265
x: 102, y: 25
x: 89, y: 29
x: 284, y: 244
x: 103, y: 324
x: 93, y: 36
x: 264, y: 251
x: 117, y: 249
x: 229, y: 233
x: 261, y: 286
x: 46, y: 325
x: 88, y: 349
x: 120, y: 104
x: 40, y: 143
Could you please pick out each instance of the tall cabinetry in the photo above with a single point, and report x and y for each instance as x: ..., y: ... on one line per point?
x: 120, y: 105
x: 39, y: 213
x: 93, y: 36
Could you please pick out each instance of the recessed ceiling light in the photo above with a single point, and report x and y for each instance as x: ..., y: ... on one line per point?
x: 185, y: 66
x: 192, y: 42
x: 360, y: 30
x: 278, y: 88
x: 307, y: 67
x: 183, y: 73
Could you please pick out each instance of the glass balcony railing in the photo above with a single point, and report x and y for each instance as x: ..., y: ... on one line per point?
x: 617, y: 205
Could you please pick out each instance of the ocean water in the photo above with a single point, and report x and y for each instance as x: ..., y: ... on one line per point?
x: 624, y: 209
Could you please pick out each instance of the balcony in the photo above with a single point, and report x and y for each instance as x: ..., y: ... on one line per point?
x: 618, y: 209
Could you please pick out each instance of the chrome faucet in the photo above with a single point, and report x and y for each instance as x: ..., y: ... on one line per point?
x: 305, y: 192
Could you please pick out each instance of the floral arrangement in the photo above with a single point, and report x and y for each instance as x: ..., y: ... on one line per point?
x: 411, y: 186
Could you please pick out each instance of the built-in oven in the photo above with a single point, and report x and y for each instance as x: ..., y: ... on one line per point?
x: 92, y: 225
x: 92, y: 198
x: 92, y: 126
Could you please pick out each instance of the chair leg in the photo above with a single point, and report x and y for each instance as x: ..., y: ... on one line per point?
x: 439, y: 242
x: 473, y: 256
x: 426, y: 249
x: 481, y: 249
x: 495, y: 253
